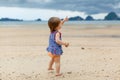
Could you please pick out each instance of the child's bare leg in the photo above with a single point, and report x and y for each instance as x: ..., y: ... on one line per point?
x: 57, y: 64
x: 51, y: 64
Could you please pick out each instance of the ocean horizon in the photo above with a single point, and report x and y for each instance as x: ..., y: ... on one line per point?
x: 69, y: 22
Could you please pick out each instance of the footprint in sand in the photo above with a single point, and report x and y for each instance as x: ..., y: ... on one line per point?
x: 51, y: 72
x: 12, y: 57
x: 110, y: 58
x: 89, y: 48
x: 102, y: 70
x: 106, y: 76
x: 13, y: 72
x: 9, y: 74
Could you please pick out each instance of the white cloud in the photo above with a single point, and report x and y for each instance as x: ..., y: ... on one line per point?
x: 99, y: 16
x: 11, y: 12
x: 44, y: 14
x: 33, y: 13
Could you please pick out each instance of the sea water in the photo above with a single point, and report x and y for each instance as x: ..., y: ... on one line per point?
x: 69, y: 22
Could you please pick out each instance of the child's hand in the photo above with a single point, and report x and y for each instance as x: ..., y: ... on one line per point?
x: 66, y: 19
x: 66, y: 44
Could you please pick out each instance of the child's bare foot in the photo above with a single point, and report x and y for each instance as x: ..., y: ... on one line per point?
x: 58, y: 74
x: 50, y: 69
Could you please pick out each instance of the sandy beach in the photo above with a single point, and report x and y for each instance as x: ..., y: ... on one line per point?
x: 93, y: 54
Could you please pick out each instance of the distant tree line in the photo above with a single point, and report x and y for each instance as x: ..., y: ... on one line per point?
x: 110, y: 16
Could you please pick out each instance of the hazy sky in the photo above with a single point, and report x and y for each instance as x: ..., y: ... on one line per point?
x: 32, y: 9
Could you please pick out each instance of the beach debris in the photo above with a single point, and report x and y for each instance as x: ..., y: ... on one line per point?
x: 69, y: 72
x: 82, y: 48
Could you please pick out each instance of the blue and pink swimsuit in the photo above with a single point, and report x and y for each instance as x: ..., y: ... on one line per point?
x: 54, y: 47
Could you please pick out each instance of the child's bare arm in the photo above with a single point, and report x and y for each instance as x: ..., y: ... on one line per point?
x: 57, y: 38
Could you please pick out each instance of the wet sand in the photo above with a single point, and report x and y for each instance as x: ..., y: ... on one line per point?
x: 93, y: 54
